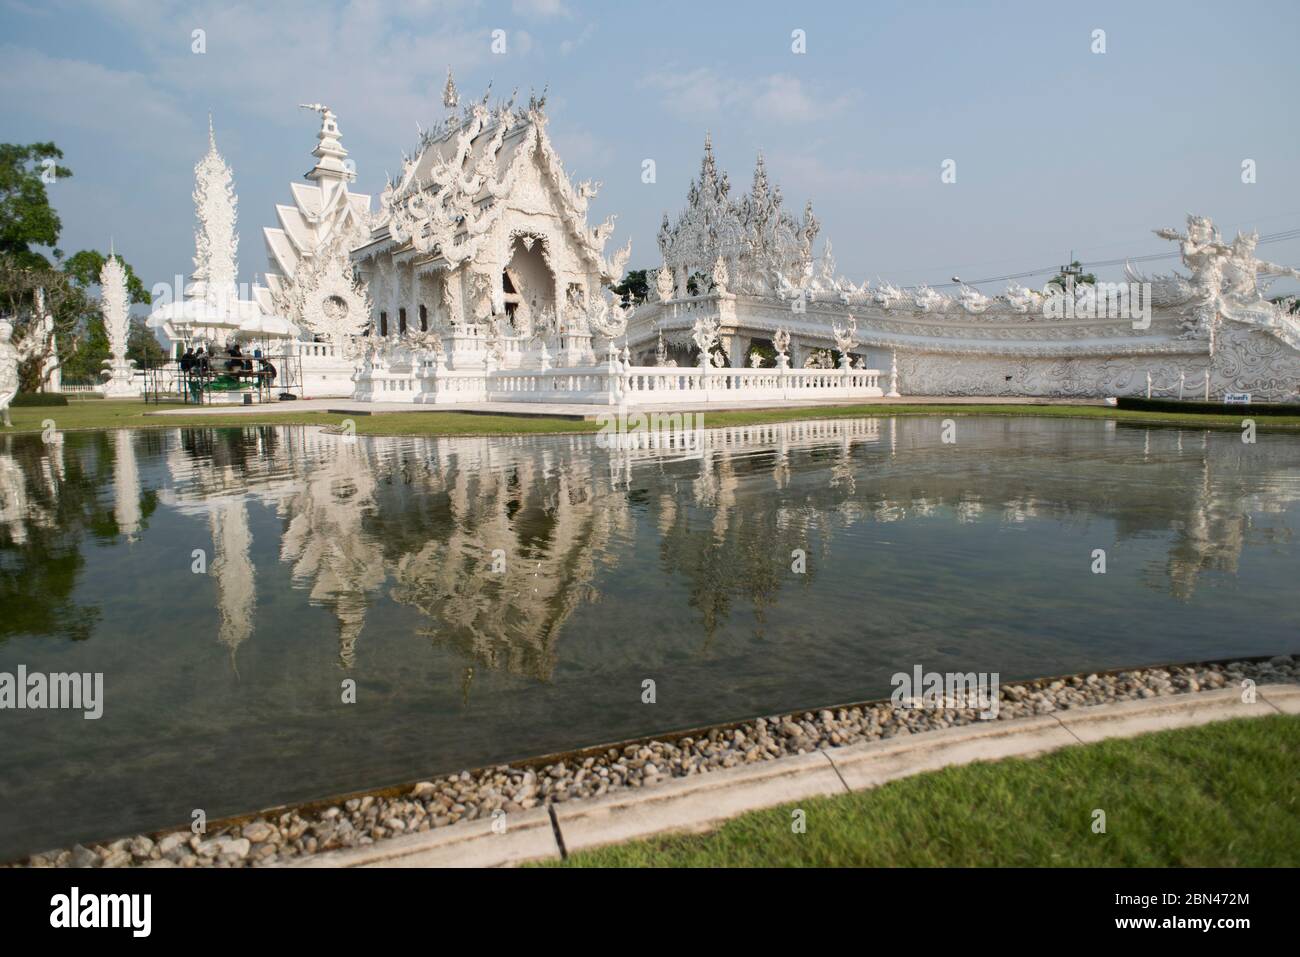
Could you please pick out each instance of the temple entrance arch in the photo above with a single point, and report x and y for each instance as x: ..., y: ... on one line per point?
x: 528, y: 283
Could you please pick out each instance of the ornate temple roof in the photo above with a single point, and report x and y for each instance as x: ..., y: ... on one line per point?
x: 449, y: 194
x: 755, y: 235
x: 307, y: 252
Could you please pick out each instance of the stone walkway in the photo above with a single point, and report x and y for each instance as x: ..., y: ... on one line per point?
x: 590, y: 412
x: 702, y: 802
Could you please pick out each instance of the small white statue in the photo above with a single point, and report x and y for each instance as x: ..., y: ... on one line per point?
x: 781, y: 341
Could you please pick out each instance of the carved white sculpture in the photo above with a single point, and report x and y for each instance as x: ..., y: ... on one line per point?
x: 1022, y: 300
x: 115, y: 306
x: 51, y: 367
x: 607, y: 317
x: 781, y: 341
x: 664, y: 283
x: 845, y: 336
x: 11, y: 356
x: 720, y: 277
x: 704, y: 333
x: 1224, y: 282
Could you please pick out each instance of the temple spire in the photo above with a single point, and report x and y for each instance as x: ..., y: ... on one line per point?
x: 450, y: 96
x: 215, y: 241
x: 115, y: 305
x: 710, y: 181
x: 329, y: 152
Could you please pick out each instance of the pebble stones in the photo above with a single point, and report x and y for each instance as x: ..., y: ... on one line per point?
x: 472, y: 794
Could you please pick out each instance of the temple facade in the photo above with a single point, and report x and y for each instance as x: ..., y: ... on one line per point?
x: 481, y: 258
x: 750, y: 266
x: 478, y: 278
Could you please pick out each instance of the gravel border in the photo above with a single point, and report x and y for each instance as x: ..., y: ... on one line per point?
x: 284, y: 834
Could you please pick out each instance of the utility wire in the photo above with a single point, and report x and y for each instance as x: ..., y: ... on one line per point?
x: 1097, y: 263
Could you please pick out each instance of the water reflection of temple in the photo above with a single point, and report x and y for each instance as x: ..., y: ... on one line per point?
x: 497, y: 542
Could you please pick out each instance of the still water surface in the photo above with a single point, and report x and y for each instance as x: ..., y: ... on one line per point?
x: 381, y: 560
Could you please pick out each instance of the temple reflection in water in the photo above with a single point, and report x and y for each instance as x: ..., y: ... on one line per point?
x: 495, y: 542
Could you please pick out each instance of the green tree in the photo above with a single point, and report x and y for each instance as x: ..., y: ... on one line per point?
x: 22, y: 282
x: 142, y: 346
x: 69, y: 286
x: 87, y: 341
x: 26, y: 217
x: 85, y: 268
x: 634, y: 287
x: 1080, y: 277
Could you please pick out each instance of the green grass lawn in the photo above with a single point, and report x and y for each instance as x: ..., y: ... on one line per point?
x: 1221, y: 795
x: 130, y: 414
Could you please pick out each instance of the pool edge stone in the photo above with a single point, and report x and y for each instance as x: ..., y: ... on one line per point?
x: 702, y: 802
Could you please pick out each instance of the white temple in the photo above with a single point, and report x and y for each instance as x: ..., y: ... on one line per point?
x: 479, y: 279
x: 1212, y: 328
x: 485, y: 276
x: 488, y: 284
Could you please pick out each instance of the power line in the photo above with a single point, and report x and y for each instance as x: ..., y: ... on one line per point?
x: 1098, y: 263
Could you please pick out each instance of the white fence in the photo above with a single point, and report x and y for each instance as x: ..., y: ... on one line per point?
x: 615, y: 384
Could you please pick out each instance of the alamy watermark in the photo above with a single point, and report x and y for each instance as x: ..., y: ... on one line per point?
x: 954, y: 689
x: 1103, y: 300
x: 130, y: 911
x: 77, y: 691
x: 681, y: 432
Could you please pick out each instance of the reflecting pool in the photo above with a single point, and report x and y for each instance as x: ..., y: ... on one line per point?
x: 497, y: 598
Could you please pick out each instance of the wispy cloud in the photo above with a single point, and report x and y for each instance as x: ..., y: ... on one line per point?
x: 540, y: 9
x: 571, y: 44
x: 778, y: 96
x: 115, y: 104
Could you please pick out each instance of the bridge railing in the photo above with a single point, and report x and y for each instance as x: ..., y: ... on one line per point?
x: 613, y: 383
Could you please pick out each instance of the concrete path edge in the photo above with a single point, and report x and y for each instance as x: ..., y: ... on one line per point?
x: 702, y: 802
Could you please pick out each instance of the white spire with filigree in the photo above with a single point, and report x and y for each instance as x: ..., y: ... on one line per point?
x: 216, y: 243
x: 211, y: 309
x: 115, y: 304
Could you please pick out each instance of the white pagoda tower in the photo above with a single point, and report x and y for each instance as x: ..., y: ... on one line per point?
x: 115, y: 304
x: 211, y: 310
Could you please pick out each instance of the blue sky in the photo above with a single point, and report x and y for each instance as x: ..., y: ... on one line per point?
x: 1057, y: 148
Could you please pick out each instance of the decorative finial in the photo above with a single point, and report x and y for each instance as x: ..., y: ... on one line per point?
x: 450, y: 96
x: 212, y: 137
